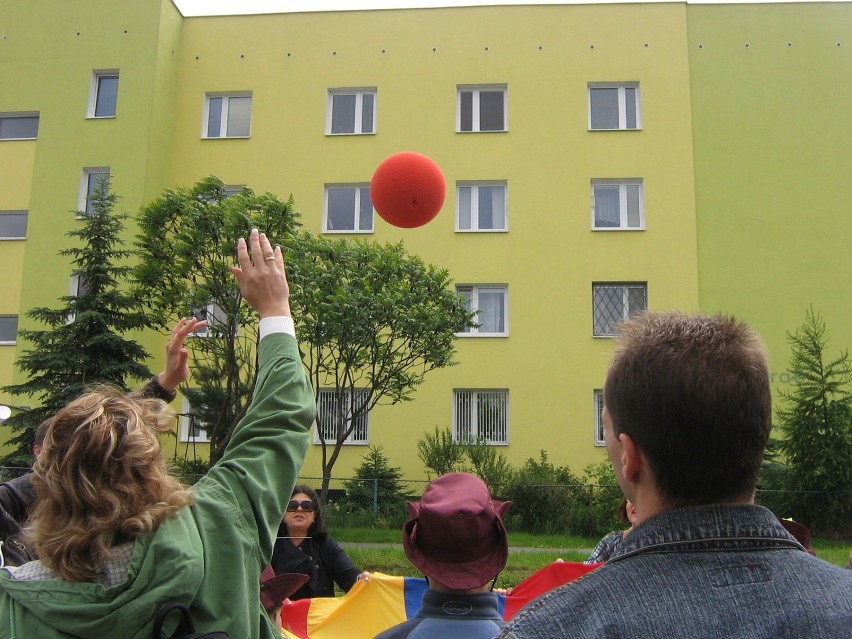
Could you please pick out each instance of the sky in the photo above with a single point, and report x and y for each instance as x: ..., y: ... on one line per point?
x: 233, y: 7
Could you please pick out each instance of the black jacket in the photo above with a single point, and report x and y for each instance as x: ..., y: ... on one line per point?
x: 325, y: 562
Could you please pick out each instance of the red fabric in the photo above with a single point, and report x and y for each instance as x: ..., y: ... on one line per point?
x: 542, y: 580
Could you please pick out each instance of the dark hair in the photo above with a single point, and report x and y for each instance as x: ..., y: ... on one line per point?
x: 692, y: 391
x: 317, y: 529
x: 41, y: 431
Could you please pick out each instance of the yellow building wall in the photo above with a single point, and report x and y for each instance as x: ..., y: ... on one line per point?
x: 773, y: 156
x: 545, y: 55
x: 48, y: 58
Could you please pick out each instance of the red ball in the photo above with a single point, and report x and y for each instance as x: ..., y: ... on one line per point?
x: 408, y: 189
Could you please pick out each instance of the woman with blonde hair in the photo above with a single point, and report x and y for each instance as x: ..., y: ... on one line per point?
x: 119, y: 538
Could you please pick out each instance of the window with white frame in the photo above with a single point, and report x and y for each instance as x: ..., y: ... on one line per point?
x: 77, y: 287
x: 342, y: 406
x: 481, y: 108
x: 614, y: 302
x: 481, y: 206
x: 217, y: 321
x: 599, y: 425
x: 88, y: 186
x: 227, y: 115
x: 491, y: 306
x: 19, y: 126
x: 618, y: 204
x: 103, y: 95
x: 351, y: 111
x: 8, y: 329
x: 192, y: 427
x: 13, y: 225
x: 347, y: 209
x: 481, y: 416
x: 614, y: 106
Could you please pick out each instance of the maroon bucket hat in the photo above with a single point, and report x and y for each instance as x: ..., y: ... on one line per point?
x: 455, y: 533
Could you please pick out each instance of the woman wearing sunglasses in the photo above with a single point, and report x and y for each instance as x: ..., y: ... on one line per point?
x: 304, y: 546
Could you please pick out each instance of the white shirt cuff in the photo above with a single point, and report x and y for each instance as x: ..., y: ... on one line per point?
x: 277, y: 324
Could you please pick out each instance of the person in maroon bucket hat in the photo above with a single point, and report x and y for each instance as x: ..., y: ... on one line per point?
x: 455, y: 536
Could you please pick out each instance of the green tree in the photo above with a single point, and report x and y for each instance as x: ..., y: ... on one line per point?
x: 542, y: 496
x: 816, y: 424
x: 83, y: 344
x: 186, y: 245
x: 440, y: 453
x: 376, y: 487
x: 373, y: 320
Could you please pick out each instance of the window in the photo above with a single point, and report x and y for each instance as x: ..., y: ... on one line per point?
x: 18, y: 126
x: 192, y: 427
x: 351, y: 111
x: 614, y: 106
x: 481, y: 206
x: 13, y: 225
x: 227, y: 116
x: 348, y: 209
x: 217, y: 321
x: 77, y: 287
x: 88, y: 186
x: 481, y: 415
x: 599, y: 425
x: 8, y: 328
x: 614, y: 303
x: 332, y: 403
x: 618, y: 204
x: 104, y: 94
x: 481, y: 108
x: 490, y: 302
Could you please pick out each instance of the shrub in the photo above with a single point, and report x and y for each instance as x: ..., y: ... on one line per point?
x: 542, y: 496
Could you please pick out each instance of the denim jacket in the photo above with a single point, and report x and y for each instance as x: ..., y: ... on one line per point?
x: 716, y: 571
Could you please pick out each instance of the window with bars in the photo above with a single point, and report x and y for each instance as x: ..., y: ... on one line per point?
x: 614, y: 303
x: 227, y: 116
x: 348, y: 209
x: 481, y: 108
x: 104, y: 94
x: 618, y: 204
x: 336, y: 406
x: 481, y: 206
x: 599, y: 425
x: 614, y: 106
x: 490, y: 302
x: 351, y: 111
x: 481, y: 416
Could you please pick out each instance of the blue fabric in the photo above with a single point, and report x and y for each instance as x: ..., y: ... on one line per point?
x: 715, y: 572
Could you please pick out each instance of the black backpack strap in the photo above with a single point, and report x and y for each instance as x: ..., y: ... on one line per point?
x: 185, y: 626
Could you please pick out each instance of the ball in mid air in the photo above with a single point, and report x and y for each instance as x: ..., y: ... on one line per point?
x: 408, y: 189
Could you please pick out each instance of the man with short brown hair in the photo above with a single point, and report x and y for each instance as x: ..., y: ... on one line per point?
x: 686, y: 418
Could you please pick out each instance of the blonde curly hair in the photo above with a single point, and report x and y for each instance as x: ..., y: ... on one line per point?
x: 101, y: 480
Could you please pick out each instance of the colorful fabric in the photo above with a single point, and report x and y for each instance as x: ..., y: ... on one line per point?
x: 384, y: 601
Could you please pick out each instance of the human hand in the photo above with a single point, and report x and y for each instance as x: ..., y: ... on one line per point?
x: 364, y: 576
x: 261, y: 275
x: 177, y: 357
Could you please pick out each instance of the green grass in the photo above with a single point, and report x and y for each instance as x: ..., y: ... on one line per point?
x: 392, y: 560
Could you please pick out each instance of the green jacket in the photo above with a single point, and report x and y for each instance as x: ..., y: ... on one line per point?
x: 210, y: 555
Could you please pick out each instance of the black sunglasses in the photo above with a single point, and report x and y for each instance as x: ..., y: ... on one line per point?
x: 308, y: 506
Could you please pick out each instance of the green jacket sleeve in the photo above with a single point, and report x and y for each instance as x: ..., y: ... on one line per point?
x: 262, y: 461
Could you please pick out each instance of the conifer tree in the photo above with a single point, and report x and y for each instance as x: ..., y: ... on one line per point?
x: 83, y: 344
x: 816, y: 423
